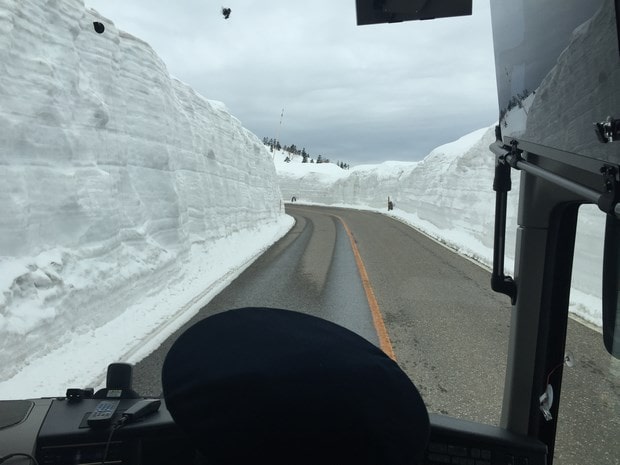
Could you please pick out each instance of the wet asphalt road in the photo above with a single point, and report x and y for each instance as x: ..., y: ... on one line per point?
x: 449, y: 331
x: 311, y: 270
x: 434, y: 303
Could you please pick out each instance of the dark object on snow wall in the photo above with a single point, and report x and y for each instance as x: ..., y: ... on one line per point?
x: 226, y: 12
x: 99, y: 27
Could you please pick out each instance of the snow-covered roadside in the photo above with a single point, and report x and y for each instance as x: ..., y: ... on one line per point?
x: 81, y: 359
x: 120, y: 186
x: 449, y: 197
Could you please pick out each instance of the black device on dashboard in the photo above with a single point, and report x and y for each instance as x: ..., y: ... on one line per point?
x: 118, y: 383
x: 103, y: 414
x: 141, y: 409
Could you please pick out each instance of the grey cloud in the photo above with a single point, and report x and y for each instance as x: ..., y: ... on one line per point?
x: 351, y: 93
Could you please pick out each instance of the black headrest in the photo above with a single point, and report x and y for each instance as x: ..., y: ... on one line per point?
x: 270, y: 386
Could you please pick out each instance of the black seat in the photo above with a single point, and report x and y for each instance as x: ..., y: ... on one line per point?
x: 271, y: 386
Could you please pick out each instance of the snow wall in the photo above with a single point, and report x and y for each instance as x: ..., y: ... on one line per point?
x: 114, y: 175
x: 449, y: 196
x: 451, y: 188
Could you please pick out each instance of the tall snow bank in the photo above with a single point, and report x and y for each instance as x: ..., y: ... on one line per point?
x: 449, y: 196
x: 449, y: 191
x: 114, y: 176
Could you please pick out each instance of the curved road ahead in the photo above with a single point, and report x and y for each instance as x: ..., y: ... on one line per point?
x: 448, y: 330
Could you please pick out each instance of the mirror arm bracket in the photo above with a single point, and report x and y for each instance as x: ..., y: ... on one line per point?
x: 504, y: 161
x: 608, y: 200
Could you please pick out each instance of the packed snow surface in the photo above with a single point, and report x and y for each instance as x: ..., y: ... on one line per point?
x: 129, y: 201
x: 126, y: 197
x: 449, y: 196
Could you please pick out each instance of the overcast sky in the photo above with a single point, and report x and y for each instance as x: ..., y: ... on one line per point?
x: 358, y: 94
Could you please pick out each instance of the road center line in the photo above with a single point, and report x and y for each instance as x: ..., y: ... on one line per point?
x: 382, y: 334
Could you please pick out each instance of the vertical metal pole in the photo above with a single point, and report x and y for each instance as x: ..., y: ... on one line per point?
x: 501, y: 185
x: 280, y: 125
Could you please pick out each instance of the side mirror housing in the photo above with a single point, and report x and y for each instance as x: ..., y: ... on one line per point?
x: 611, y: 285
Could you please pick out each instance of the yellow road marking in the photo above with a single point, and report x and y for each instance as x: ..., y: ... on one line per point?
x: 377, y: 319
